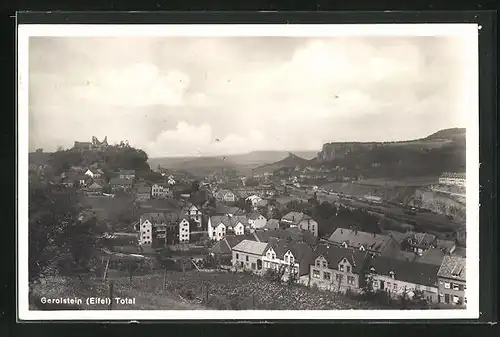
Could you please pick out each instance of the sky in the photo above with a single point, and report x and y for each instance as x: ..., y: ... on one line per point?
x: 187, y: 96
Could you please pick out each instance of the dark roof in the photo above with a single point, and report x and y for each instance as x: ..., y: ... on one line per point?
x: 228, y: 221
x: 163, y: 217
x: 119, y: 181
x: 292, y: 234
x: 272, y: 224
x: 254, y: 215
x: 301, y: 251
x: 128, y: 172
x: 453, y: 175
x: 407, y: 271
x: 334, y: 255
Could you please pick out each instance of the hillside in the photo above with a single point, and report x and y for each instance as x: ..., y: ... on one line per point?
x: 291, y: 161
x: 242, y: 163
x: 439, y: 152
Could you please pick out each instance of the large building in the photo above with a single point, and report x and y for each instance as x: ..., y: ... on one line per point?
x: 376, y: 244
x: 452, y: 281
x: 452, y: 179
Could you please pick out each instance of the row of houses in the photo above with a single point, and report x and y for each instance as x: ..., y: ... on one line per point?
x: 341, y: 269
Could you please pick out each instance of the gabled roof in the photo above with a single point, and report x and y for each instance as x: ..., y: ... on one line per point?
x: 272, y: 224
x: 301, y: 252
x: 407, y: 271
x: 254, y: 215
x: 226, y: 245
x: 334, y: 255
x: 453, y: 267
x: 95, y: 186
x: 292, y: 234
x: 228, y: 221
x: 251, y: 247
x: 295, y: 217
x: 356, y: 239
x: 163, y: 217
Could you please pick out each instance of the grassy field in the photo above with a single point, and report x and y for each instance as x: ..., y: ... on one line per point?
x: 226, y: 291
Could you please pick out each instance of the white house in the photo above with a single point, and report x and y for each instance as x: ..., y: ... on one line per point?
x: 184, y: 230
x: 145, y: 233
x: 216, y: 228
x: 254, y: 199
x: 171, y: 180
x: 295, y: 258
x: 93, y: 173
x: 219, y: 225
x: 256, y: 220
x: 160, y: 191
x: 194, y: 213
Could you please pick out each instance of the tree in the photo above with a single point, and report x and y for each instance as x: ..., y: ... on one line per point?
x: 59, y: 240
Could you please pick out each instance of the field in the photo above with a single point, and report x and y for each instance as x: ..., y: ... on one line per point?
x: 226, y: 291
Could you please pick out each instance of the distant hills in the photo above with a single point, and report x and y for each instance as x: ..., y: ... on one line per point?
x: 291, y: 161
x: 243, y: 163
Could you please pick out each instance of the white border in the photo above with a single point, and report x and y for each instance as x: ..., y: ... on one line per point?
x: 472, y: 159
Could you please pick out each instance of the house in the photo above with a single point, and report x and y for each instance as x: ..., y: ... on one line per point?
x: 452, y: 281
x: 219, y: 225
x: 403, y: 278
x: 161, y: 191
x: 127, y: 174
x: 453, y: 179
x: 413, y: 241
x: 225, y: 195
x: 338, y: 269
x: 194, y: 213
x: 143, y: 191
x: 289, y: 257
x: 184, y: 230
x: 160, y: 228
x: 254, y: 200
x: 300, y: 220
x: 262, y: 203
x: 256, y: 220
x: 117, y: 183
x: 94, y: 189
x: 223, y: 249
x: 271, y: 224
x: 248, y: 255
x: 375, y: 244
x: 94, y: 173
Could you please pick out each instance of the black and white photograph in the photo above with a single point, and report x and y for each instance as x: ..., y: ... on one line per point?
x: 272, y: 171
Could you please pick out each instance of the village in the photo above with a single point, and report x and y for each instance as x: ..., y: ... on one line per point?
x: 263, y: 225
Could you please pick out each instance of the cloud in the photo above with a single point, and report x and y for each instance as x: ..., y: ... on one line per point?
x: 175, y: 96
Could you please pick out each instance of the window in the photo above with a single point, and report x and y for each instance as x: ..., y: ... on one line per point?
x: 291, y: 259
x: 339, y: 277
x: 315, y: 273
x: 456, y: 286
x: 341, y: 267
x: 247, y: 258
x: 456, y: 299
x: 348, y: 268
x: 447, y: 285
x: 213, y: 233
x: 237, y: 256
x: 326, y: 276
x: 324, y: 264
x: 395, y: 286
x: 350, y: 279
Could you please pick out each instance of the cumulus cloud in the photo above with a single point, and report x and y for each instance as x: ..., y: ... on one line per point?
x: 177, y: 96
